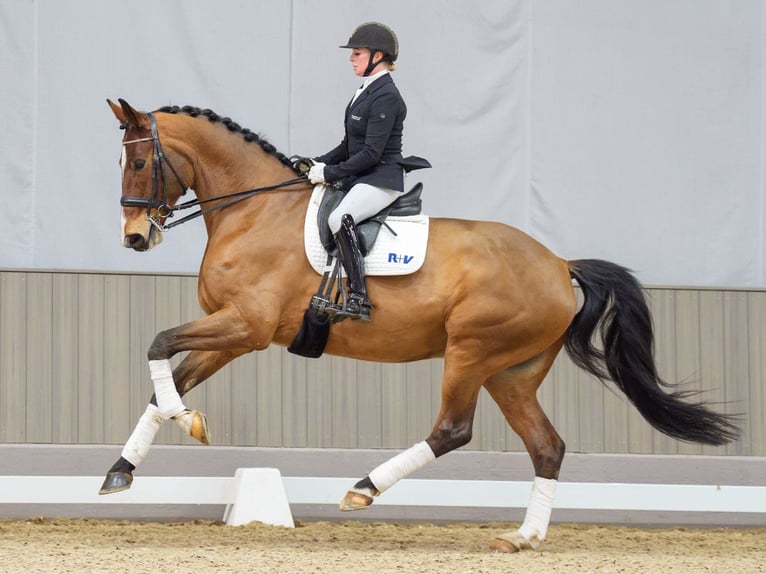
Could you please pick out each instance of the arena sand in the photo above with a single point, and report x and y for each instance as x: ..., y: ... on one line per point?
x: 41, y: 545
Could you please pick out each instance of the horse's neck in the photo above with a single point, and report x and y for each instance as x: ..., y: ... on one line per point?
x: 228, y: 171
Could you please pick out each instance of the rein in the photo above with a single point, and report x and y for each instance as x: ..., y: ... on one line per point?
x: 160, y: 203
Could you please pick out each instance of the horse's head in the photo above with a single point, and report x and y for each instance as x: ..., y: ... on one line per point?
x: 151, y: 183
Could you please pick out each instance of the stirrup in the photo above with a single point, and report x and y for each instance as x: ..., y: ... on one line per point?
x: 358, y: 307
x: 337, y: 312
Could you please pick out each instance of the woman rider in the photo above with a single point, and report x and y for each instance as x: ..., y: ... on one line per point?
x: 368, y: 162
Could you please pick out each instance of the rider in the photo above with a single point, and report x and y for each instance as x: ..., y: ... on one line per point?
x: 368, y: 162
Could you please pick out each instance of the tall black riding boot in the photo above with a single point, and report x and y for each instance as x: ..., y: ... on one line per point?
x: 357, y: 306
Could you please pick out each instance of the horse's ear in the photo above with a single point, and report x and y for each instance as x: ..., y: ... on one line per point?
x: 126, y: 114
x: 117, y: 111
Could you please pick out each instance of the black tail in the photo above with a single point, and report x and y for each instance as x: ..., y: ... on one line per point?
x: 614, y: 299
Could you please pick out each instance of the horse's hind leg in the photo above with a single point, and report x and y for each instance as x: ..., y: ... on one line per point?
x: 515, y: 392
x: 453, y: 428
x: 195, y: 368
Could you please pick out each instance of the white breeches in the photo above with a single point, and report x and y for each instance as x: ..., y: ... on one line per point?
x: 361, y: 202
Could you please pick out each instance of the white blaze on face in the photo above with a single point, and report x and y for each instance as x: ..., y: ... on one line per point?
x: 123, y: 221
x: 123, y: 165
x: 123, y: 160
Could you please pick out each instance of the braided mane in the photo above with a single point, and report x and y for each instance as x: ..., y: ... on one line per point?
x: 232, y: 126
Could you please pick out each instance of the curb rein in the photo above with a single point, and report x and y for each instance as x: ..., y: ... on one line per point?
x: 160, y: 204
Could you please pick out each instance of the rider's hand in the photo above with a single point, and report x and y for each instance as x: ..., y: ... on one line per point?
x: 301, y: 164
x: 316, y: 173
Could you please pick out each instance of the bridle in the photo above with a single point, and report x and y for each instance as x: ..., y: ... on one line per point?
x: 159, y: 198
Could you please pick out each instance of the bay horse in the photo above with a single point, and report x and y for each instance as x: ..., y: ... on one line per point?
x: 497, y: 305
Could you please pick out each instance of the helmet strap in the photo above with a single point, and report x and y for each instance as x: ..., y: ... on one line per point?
x: 371, y: 65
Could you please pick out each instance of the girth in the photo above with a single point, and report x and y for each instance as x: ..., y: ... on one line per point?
x: 408, y: 204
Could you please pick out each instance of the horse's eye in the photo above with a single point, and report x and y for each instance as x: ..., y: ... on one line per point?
x: 139, y: 164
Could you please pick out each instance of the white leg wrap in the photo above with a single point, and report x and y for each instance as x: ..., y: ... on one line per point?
x: 403, y: 464
x: 138, y: 444
x: 168, y: 400
x: 538, y: 516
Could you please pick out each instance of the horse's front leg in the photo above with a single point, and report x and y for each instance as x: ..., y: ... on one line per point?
x: 196, y: 367
x: 222, y: 331
x: 453, y: 429
x: 214, y: 340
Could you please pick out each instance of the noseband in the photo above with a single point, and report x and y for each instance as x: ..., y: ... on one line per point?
x: 159, y: 198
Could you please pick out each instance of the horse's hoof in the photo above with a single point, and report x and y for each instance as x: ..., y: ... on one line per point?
x: 199, y: 428
x: 116, y: 482
x: 194, y: 423
x: 511, y: 542
x: 355, y: 500
x: 501, y: 545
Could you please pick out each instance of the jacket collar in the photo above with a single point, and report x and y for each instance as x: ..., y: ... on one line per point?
x: 376, y: 84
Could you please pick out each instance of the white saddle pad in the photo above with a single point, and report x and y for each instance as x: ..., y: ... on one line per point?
x: 399, y: 254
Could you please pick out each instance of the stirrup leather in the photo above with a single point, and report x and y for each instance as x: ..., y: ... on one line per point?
x: 338, y: 304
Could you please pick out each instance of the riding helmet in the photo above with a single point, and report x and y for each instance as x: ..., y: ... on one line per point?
x: 376, y: 37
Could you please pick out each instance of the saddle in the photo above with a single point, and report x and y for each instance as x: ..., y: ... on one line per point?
x: 328, y: 304
x: 324, y: 307
x: 407, y: 204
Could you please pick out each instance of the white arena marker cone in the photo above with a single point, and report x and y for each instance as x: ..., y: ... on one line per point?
x: 260, y: 496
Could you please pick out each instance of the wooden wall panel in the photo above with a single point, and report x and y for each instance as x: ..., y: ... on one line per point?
x: 65, y: 377
x: 393, y: 414
x: 38, y: 376
x: 116, y: 378
x: 90, y: 354
x: 13, y: 358
x: 756, y: 404
x: 73, y: 371
x: 687, y: 365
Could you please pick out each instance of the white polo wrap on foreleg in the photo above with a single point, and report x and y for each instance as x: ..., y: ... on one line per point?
x: 403, y: 464
x: 538, y: 516
x: 141, y: 439
x: 168, y: 400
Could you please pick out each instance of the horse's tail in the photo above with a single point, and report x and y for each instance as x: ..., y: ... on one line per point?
x: 615, y: 300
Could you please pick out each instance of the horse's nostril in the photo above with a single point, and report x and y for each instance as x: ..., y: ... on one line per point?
x: 135, y: 241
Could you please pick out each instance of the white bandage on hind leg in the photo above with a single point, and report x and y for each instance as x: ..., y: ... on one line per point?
x: 168, y: 400
x: 141, y: 439
x: 538, y: 516
x: 403, y: 464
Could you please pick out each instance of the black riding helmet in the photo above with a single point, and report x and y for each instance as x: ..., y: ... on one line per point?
x: 376, y: 37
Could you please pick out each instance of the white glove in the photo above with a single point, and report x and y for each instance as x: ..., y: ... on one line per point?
x: 316, y: 173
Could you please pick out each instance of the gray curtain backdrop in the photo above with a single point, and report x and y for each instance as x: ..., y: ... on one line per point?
x: 621, y: 129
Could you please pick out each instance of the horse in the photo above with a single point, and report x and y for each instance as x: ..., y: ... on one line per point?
x: 494, y: 303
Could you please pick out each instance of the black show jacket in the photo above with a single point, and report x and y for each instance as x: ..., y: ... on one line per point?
x: 371, y: 150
